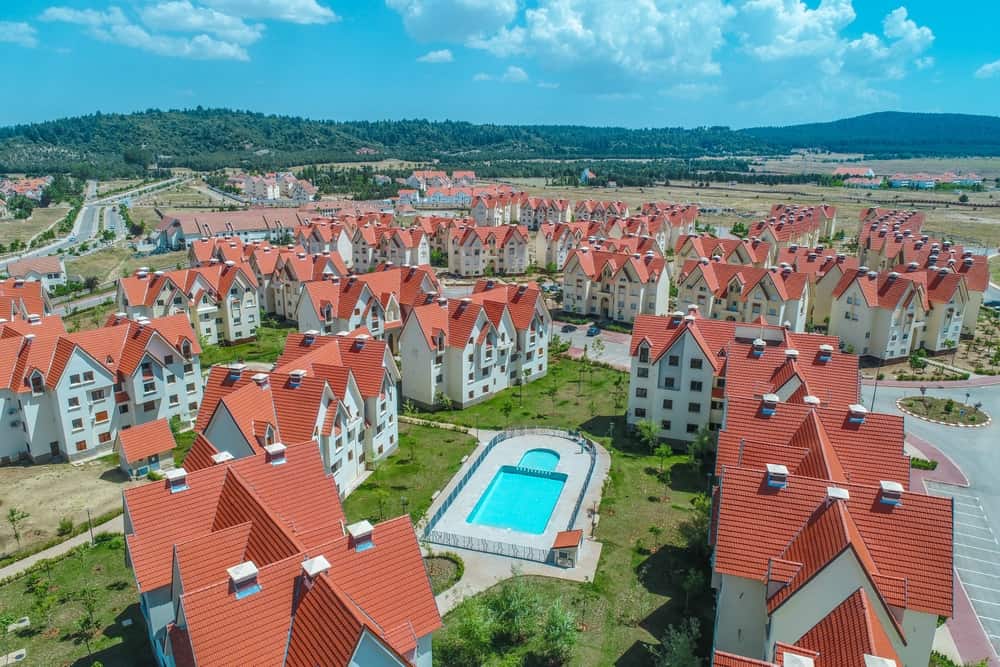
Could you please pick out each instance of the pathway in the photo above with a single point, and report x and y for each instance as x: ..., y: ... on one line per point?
x: 116, y: 525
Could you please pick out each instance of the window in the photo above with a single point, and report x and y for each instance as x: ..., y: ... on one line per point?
x: 149, y: 406
x: 642, y: 372
x: 665, y: 424
x: 695, y: 385
x: 148, y: 387
x: 101, y: 417
x: 692, y: 428
x: 188, y: 368
x: 668, y: 404
x: 193, y: 406
x: 350, y: 455
x: 171, y: 378
x: 104, y: 437
x: 169, y: 359
x: 191, y: 388
x: 74, y: 402
x: 668, y: 383
x: 696, y: 364
x: 674, y: 360
x: 37, y: 384
x: 644, y: 355
x: 640, y: 392
x: 81, y: 445
x: 174, y: 400
x: 77, y: 424
x: 88, y: 376
x: 123, y: 409
x: 640, y: 412
x: 97, y: 395
x: 335, y: 468
x: 74, y: 379
x: 694, y: 407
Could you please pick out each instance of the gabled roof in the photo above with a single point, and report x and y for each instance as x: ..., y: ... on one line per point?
x: 144, y: 440
x: 719, y: 276
x: 848, y: 633
x: 364, y: 356
x: 44, y: 264
x: 455, y: 319
x: 882, y: 290
x: 522, y: 301
x: 593, y: 263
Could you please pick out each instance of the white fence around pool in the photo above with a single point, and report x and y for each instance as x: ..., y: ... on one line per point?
x: 509, y: 549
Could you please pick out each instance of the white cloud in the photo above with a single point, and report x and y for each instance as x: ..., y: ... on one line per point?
x: 692, y: 91
x: 20, y: 33
x: 291, y: 11
x: 776, y: 29
x: 453, y: 20
x: 924, y: 63
x: 547, y: 84
x: 114, y: 27
x: 482, y: 76
x: 643, y: 38
x: 988, y: 70
x: 182, y: 16
x: 514, y: 75
x: 435, y: 57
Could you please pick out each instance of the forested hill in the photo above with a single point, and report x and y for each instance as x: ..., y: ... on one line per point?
x: 122, y: 144
x: 209, y: 139
x: 892, y: 134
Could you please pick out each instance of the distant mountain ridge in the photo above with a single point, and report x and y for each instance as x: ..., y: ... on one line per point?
x: 122, y: 144
x: 892, y: 133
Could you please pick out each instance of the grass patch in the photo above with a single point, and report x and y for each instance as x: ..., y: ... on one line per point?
x: 55, y: 641
x: 39, y: 220
x: 923, y: 464
x: 646, y: 516
x: 183, y: 442
x: 113, y: 262
x: 995, y: 269
x: 944, y: 410
x: 426, y: 459
x: 267, y: 347
x: 89, y: 318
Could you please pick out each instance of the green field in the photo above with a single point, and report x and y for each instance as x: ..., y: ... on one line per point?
x: 109, y: 264
x: 23, y: 230
x: 638, y: 590
x: 54, y: 638
x: 268, y: 346
x: 426, y: 459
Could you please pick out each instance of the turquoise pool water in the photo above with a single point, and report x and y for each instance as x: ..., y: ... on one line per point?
x: 539, y: 459
x: 519, y: 499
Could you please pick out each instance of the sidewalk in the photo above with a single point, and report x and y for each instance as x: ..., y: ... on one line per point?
x: 116, y: 525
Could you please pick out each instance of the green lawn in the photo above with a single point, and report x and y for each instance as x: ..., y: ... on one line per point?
x: 638, y: 589
x: 944, y: 410
x: 56, y: 642
x: 183, y: 442
x: 426, y: 459
x: 90, y: 318
x: 268, y: 346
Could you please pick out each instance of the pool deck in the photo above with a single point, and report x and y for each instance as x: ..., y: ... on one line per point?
x: 483, y: 570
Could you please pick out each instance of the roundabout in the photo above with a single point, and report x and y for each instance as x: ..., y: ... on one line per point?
x: 944, y: 411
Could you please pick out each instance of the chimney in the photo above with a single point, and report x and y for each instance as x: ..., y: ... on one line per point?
x: 968, y: 261
x: 310, y: 337
x: 811, y: 401
x: 236, y: 370
x: 777, y: 476
x: 176, y: 479
x: 825, y: 353
x: 912, y: 266
x: 791, y: 354
x: 243, y: 578
x: 34, y: 318
x: 834, y: 493
x: 857, y: 413
x: 260, y: 379
x: 275, y: 454
x: 221, y: 457
x: 890, y: 493
x: 361, y: 535
x: 315, y: 566
x: 893, y: 275
x: 758, y: 348
x: 295, y: 377
x: 443, y: 302
x: 769, y: 404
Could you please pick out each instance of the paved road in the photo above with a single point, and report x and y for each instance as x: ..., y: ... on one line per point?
x: 977, y: 508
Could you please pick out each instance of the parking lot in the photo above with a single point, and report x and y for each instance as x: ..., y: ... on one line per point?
x: 977, y: 556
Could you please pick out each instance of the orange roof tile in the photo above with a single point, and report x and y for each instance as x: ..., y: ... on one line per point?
x: 145, y: 440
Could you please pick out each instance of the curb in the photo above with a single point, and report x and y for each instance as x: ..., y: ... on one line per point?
x: 899, y: 407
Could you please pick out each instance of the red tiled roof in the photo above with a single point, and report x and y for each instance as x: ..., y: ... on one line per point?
x: 594, y: 262
x: 145, y: 440
x: 723, y: 659
x: 848, y: 633
x: 44, y: 264
x: 567, y: 539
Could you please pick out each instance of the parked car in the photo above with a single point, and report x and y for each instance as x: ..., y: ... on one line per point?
x: 593, y: 330
x: 568, y: 328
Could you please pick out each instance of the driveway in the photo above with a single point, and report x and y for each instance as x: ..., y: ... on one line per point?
x: 977, y: 508
x: 615, y: 344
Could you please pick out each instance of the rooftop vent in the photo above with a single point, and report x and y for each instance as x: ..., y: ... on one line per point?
x: 221, y: 457
x: 361, y: 535
x: 310, y: 336
x: 275, y: 453
x: 295, y: 377
x: 857, y: 413
x: 159, y: 274
x: 862, y: 270
x: 837, y: 493
x: 230, y: 263
x: 872, y: 275
x: 825, y: 353
x: 260, y: 379
x: 243, y: 578
x: 777, y: 476
x: 176, y: 479
x: 315, y: 566
x: 893, y: 275
x: 758, y: 348
x: 236, y: 370
x: 968, y: 261
x: 890, y: 493
x: 769, y: 404
x: 812, y: 401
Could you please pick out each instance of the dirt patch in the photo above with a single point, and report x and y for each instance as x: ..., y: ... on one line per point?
x: 50, y: 492
x: 443, y: 573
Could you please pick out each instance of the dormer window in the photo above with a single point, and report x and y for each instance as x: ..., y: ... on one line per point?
x: 37, y: 383
x: 643, y: 354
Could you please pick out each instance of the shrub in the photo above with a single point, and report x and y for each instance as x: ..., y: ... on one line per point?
x: 923, y: 464
x: 949, y: 405
x: 65, y: 526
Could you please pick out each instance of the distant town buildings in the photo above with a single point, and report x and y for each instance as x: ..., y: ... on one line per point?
x: 30, y: 187
x: 48, y: 270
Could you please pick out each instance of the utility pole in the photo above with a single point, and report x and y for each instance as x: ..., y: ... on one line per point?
x: 90, y: 524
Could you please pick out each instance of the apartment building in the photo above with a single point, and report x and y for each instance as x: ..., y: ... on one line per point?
x: 428, y: 178
x: 479, y: 251
x: 48, y: 270
x: 684, y: 368
x: 333, y: 305
x: 665, y: 221
x: 599, y: 211
x: 321, y: 235
x: 538, y: 211
x: 883, y: 233
x: 261, y: 544
x: 20, y: 298
x: 261, y: 188
x: 974, y: 270
x: 293, y: 270
x: 744, y: 293
x: 823, y: 270
x: 404, y: 246
x: 529, y: 359
x: 69, y: 395
x: 553, y: 242
x: 825, y: 216
x: 615, y: 286
x: 178, y: 229
x: 745, y: 252
x: 802, y: 226
x: 437, y: 229
x: 220, y: 300
x: 495, y: 210
x: 456, y: 348
x: 212, y: 251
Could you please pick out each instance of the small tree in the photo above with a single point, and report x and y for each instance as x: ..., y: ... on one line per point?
x: 6, y: 620
x: 663, y: 452
x: 473, y: 633
x: 443, y: 401
x: 551, y: 392
x: 516, y: 607
x: 381, y: 497
x: 679, y: 646
x: 88, y: 624
x: 951, y: 345
x: 506, y: 408
x: 647, y: 433
x: 90, y: 283
x: 558, y: 633
x: 16, y: 519
x: 702, y: 449
x: 692, y: 584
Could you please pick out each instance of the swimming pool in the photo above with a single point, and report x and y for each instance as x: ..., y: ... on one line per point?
x: 520, y: 498
x: 539, y: 459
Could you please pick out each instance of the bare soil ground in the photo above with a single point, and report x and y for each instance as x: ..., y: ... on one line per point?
x: 183, y: 195
x: 110, y: 263
x: 799, y: 163
x: 23, y: 230
x: 117, y: 184
x: 50, y: 492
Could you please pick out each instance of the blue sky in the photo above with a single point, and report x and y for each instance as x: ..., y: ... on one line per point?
x: 635, y: 63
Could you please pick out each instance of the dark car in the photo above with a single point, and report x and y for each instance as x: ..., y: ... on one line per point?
x: 593, y: 330
x: 568, y: 328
